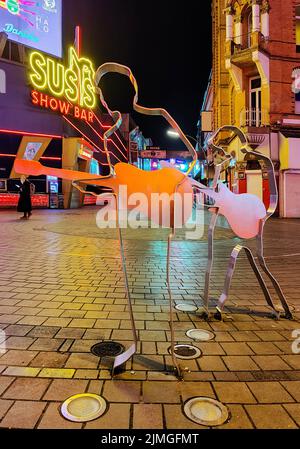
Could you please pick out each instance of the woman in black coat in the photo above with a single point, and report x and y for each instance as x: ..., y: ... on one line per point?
x: 24, y: 204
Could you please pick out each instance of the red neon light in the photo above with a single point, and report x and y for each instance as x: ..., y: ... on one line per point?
x: 25, y: 133
x: 80, y: 132
x: 108, y: 126
x: 109, y: 140
x: 7, y: 155
x: 51, y: 158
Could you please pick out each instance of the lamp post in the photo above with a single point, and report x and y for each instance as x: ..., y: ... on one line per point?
x: 175, y: 135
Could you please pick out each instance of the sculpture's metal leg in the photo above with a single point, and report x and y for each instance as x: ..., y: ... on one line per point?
x: 174, y: 360
x: 260, y: 280
x: 262, y: 262
x: 230, y: 271
x: 122, y: 358
x: 210, y: 260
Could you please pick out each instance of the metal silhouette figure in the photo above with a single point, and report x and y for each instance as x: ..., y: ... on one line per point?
x: 172, y: 181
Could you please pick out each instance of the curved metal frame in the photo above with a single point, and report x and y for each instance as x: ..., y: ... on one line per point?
x: 259, y: 239
x: 117, y: 121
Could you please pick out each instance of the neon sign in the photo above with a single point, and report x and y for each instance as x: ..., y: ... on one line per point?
x: 74, y: 82
x: 71, y: 87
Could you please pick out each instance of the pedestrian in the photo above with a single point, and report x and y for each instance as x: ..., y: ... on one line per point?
x: 24, y: 204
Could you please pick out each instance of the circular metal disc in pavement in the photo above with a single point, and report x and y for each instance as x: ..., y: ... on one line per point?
x: 206, y: 411
x: 107, y: 349
x: 83, y: 407
x: 186, y: 352
x: 186, y: 307
x: 200, y: 334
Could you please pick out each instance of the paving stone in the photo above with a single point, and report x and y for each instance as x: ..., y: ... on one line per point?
x: 238, y: 419
x: 18, y: 342
x: 27, y: 388
x: 237, y: 349
x: 116, y: 417
x: 293, y: 388
x: 147, y: 416
x: 105, y: 324
x: 23, y: 415
x: 52, y: 419
x: 17, y: 330
x: 234, y: 393
x: 175, y: 419
x: 269, y: 335
x: 292, y: 360
x: 5, y: 383
x: 122, y: 391
x: 57, y: 322
x: 270, y: 362
x: 49, y: 360
x: 32, y: 320
x: 4, y: 407
x: 161, y: 392
x: 292, y: 409
x: 270, y: 417
x: 57, y: 372
x: 240, y: 363
x: 62, y: 389
x: 43, y: 331
x: 17, y: 358
x: 70, y: 333
x: 21, y: 371
x: 82, y: 360
x: 270, y: 392
x: 46, y: 344
x: 211, y: 363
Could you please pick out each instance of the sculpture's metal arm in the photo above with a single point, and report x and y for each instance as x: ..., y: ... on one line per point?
x: 112, y: 67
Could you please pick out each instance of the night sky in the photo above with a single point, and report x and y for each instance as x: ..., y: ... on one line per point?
x: 167, y: 45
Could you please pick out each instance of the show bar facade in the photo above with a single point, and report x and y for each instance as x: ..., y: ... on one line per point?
x: 48, y: 112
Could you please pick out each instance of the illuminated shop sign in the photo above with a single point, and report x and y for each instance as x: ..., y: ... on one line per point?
x: 71, y: 88
x: 37, y: 24
x: 85, y: 153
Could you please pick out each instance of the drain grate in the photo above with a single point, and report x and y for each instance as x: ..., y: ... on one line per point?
x: 107, y: 349
x: 186, y: 352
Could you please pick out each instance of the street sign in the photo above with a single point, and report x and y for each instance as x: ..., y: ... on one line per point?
x: 154, y: 154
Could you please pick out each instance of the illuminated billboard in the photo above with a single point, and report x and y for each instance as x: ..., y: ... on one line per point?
x: 36, y: 24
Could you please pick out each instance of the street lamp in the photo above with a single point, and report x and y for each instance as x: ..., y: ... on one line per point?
x: 175, y: 135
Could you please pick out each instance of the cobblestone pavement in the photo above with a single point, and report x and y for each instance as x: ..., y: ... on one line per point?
x: 61, y: 291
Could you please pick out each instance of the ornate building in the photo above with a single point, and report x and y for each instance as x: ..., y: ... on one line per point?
x: 256, y: 67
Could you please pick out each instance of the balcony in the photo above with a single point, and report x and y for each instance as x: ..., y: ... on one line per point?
x: 253, y: 118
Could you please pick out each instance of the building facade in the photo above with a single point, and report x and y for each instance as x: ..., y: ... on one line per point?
x: 254, y: 85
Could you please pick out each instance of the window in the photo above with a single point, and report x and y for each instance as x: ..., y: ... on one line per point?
x: 298, y: 29
x: 254, y: 118
x: 297, y: 103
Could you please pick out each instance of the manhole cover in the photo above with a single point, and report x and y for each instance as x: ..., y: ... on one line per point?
x: 186, y: 307
x: 200, y: 334
x: 83, y: 407
x: 185, y: 352
x: 107, y: 349
x: 206, y: 411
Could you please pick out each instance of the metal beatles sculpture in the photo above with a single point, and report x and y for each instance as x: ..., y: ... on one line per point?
x: 247, y: 216
x: 171, y: 181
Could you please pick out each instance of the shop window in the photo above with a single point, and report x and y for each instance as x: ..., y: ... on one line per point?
x: 298, y: 29
x: 297, y: 103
